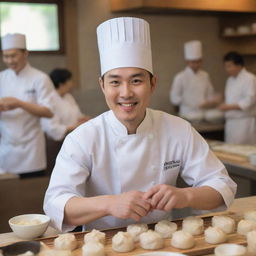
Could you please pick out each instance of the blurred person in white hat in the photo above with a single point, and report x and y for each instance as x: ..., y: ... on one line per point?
x: 121, y: 167
x: 240, y: 101
x: 192, y: 90
x: 24, y: 99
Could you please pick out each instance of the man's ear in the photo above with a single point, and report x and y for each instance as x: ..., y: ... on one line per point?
x: 101, y: 82
x: 153, y: 83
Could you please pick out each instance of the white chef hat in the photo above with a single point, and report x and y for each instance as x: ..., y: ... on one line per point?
x: 193, y: 50
x: 124, y: 42
x: 13, y: 41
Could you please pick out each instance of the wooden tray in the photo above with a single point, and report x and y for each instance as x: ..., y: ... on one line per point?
x: 201, y: 247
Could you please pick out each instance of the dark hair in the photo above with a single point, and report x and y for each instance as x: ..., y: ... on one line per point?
x: 150, y: 76
x: 235, y: 57
x: 60, y: 76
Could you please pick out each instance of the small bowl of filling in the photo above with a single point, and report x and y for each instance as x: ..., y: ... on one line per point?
x: 29, y: 226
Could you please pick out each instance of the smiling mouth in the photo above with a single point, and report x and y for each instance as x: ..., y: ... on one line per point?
x: 128, y: 104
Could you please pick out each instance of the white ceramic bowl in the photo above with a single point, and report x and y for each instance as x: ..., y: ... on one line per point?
x: 230, y: 250
x: 29, y: 226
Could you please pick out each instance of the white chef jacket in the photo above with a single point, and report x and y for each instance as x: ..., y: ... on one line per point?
x: 22, y: 143
x: 189, y: 90
x: 100, y: 158
x: 240, y: 127
x: 66, y: 113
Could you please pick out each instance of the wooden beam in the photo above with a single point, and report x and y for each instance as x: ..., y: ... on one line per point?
x: 199, y: 5
x: 71, y: 38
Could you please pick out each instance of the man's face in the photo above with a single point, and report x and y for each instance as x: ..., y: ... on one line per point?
x: 195, y: 65
x: 15, y: 59
x: 127, y: 92
x: 66, y: 87
x: 231, y: 68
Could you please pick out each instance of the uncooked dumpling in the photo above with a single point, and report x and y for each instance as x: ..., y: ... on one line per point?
x: 136, y: 229
x: 151, y: 240
x: 193, y: 225
x: 250, y: 215
x: 245, y: 226
x: 28, y: 253
x: 93, y: 248
x: 122, y: 242
x: 182, y: 240
x: 65, y: 242
x: 225, y: 223
x: 251, y: 242
x: 215, y: 235
x: 165, y: 228
x: 95, y: 235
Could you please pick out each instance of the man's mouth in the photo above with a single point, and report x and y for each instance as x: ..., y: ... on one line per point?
x: 128, y: 104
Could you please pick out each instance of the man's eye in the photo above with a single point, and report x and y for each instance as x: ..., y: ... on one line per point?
x: 136, y: 81
x: 114, y: 82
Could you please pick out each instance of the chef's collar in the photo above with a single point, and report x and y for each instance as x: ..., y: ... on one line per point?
x: 120, y: 129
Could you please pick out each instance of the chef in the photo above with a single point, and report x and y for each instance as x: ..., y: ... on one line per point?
x: 24, y: 98
x: 240, y: 101
x: 192, y: 90
x: 67, y: 114
x: 122, y: 166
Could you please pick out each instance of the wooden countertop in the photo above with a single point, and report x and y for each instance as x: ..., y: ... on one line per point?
x: 239, y: 205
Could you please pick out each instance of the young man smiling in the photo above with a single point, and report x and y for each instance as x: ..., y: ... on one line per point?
x: 121, y: 167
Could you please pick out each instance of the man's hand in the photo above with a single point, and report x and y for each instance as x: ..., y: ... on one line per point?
x: 166, y: 197
x: 9, y: 103
x: 129, y: 205
x: 227, y: 107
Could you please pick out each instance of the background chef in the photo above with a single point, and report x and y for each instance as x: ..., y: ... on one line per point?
x: 122, y: 166
x: 192, y: 90
x: 67, y: 114
x: 240, y: 101
x: 24, y: 98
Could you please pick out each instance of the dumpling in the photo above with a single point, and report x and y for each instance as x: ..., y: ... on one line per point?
x: 93, y: 248
x: 151, y: 240
x: 193, y: 225
x: 215, y: 235
x: 136, y: 229
x: 182, y: 240
x: 28, y: 253
x: 65, y: 242
x: 166, y: 228
x: 122, y: 242
x: 225, y: 223
x: 95, y: 235
x: 250, y: 215
x: 251, y: 242
x: 245, y: 226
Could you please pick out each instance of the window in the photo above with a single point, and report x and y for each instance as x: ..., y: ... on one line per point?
x: 38, y: 20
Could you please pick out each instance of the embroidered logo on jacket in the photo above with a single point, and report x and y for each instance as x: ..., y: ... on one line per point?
x: 171, y: 164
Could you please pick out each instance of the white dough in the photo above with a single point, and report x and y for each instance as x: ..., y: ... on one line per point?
x: 166, y: 228
x: 55, y: 253
x: 65, y: 242
x: 245, y: 226
x: 151, y: 240
x: 95, y: 235
x: 250, y: 215
x: 28, y: 253
x: 93, y: 248
x: 122, y: 242
x: 182, y: 240
x: 225, y: 223
x: 136, y: 229
x: 193, y: 225
x: 215, y: 235
x: 251, y: 242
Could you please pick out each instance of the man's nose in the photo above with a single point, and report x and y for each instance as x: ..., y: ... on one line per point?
x: 126, y: 90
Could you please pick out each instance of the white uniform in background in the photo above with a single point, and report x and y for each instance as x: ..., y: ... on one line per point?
x: 240, y: 127
x: 22, y: 143
x: 189, y: 90
x: 66, y: 114
x: 100, y: 158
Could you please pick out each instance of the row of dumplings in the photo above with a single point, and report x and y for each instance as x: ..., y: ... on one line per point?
x: 94, y: 241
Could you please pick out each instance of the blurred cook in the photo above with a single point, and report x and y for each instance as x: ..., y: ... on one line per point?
x: 24, y: 98
x: 192, y: 90
x: 122, y: 166
x: 67, y: 114
x: 240, y: 101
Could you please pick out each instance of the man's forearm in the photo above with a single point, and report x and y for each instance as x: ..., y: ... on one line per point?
x: 203, y: 198
x: 36, y: 109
